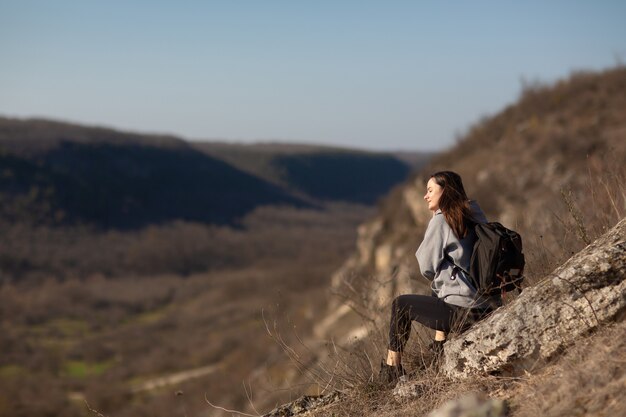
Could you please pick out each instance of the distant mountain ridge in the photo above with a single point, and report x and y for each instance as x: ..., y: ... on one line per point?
x: 127, y: 186
x: 321, y: 172
x: 61, y: 173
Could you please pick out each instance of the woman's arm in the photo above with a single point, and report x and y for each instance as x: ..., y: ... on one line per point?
x: 430, y: 253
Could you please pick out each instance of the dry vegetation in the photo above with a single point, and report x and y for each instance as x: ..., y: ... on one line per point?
x: 92, y: 318
x: 587, y: 379
x: 133, y: 266
x: 552, y: 167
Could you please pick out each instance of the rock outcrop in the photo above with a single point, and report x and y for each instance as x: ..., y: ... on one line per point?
x: 539, y: 166
x: 590, y: 288
x: 585, y: 292
x: 538, y: 159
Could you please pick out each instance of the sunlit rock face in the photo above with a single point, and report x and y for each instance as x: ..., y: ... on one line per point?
x: 586, y: 291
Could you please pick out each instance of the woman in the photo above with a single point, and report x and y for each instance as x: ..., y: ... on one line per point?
x: 443, y: 257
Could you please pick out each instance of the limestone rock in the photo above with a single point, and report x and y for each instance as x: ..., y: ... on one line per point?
x: 471, y: 405
x: 406, y: 388
x: 367, y: 240
x: 382, y: 257
x: 590, y: 288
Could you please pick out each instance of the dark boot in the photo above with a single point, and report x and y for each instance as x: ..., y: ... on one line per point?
x: 389, y: 374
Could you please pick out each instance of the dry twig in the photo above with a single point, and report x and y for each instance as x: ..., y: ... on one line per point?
x: 227, y: 410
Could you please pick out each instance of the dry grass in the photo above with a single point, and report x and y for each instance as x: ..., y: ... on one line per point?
x: 550, y: 167
x: 100, y: 336
x: 588, y: 380
x: 578, y: 218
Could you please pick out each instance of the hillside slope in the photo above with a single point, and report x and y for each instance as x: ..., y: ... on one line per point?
x: 561, y: 341
x: 550, y: 166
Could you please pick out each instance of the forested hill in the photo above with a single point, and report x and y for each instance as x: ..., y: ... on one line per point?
x: 321, y: 172
x: 60, y: 173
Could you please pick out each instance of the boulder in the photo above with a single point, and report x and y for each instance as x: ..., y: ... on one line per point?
x: 589, y: 289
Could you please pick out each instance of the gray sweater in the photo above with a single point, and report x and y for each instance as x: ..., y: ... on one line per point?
x: 440, y: 244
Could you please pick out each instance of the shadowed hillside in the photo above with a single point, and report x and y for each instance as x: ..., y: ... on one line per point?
x: 351, y: 177
x: 62, y: 174
x: 129, y: 186
x: 321, y: 172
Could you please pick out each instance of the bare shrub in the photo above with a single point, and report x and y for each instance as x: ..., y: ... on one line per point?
x: 580, y: 216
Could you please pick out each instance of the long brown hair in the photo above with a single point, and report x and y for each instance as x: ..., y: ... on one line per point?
x: 453, y: 202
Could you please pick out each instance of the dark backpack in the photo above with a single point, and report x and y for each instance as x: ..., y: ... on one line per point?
x: 497, y: 263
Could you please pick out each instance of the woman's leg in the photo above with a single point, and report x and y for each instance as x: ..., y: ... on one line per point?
x: 429, y: 311
x: 439, y: 335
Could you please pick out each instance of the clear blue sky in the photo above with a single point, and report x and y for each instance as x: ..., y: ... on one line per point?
x: 379, y: 75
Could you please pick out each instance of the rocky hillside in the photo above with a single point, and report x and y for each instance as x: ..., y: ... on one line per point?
x: 556, y: 350
x: 550, y: 166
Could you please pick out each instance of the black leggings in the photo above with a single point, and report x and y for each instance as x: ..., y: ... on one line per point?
x: 430, y: 311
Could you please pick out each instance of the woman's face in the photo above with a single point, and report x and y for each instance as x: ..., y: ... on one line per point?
x: 433, y: 194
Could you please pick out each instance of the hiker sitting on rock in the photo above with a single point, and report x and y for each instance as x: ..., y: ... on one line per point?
x: 443, y: 257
